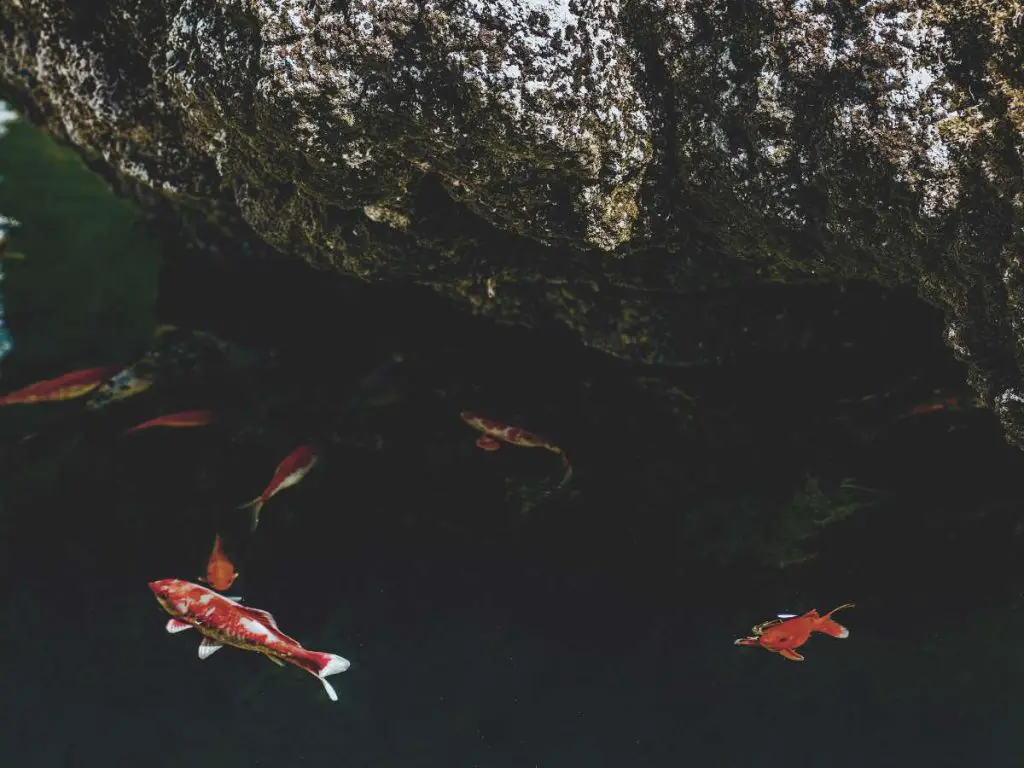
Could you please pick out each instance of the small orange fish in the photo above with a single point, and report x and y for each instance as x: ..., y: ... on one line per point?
x: 220, y: 571
x: 788, y: 632
x: 495, y: 431
x: 66, y: 387
x: 179, y: 419
x: 291, y: 470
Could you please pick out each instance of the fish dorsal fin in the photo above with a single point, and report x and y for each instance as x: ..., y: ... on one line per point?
x: 264, y: 616
x: 268, y: 618
x: 174, y: 626
x: 811, y: 614
x: 208, y: 647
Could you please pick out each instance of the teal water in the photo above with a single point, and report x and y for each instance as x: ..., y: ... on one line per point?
x: 592, y: 627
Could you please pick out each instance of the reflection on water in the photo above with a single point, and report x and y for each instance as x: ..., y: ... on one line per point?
x: 491, y: 617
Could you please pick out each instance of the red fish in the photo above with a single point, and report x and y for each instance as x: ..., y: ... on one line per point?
x: 788, y: 632
x: 934, y: 407
x: 66, y: 387
x: 222, y: 621
x: 220, y: 571
x: 495, y: 431
x: 180, y: 419
x: 290, y: 471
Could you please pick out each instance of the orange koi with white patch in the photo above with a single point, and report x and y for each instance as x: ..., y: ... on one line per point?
x: 787, y: 633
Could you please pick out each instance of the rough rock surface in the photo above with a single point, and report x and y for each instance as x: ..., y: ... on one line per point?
x: 637, y: 172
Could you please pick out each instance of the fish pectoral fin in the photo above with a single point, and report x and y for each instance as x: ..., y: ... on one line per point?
x: 747, y: 641
x: 487, y: 443
x: 174, y: 626
x: 274, y: 659
x: 792, y: 655
x: 208, y: 647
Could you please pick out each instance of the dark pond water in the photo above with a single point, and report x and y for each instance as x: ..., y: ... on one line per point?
x: 491, y: 620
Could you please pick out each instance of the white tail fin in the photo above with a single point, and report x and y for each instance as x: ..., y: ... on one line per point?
x: 334, y: 665
x: 256, y: 505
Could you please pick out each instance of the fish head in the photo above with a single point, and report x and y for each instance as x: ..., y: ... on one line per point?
x: 747, y: 641
x: 222, y: 578
x: 483, y: 424
x: 172, y: 595
x: 470, y: 418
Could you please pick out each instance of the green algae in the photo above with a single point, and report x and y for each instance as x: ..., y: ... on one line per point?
x: 84, y: 295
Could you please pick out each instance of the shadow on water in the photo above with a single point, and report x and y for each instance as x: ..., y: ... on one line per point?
x: 490, y: 620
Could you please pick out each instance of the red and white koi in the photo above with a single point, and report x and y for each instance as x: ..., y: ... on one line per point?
x: 222, y: 621
x: 290, y: 471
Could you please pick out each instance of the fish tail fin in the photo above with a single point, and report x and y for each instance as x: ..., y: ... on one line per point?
x: 255, y: 507
x: 834, y: 628
x: 568, y: 469
x: 324, y: 665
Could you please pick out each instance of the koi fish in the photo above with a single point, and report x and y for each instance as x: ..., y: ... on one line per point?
x: 222, y: 621
x: 933, y: 407
x: 220, y: 571
x: 291, y: 470
x: 127, y: 382
x: 180, y: 419
x: 495, y: 431
x: 789, y: 631
x: 66, y: 387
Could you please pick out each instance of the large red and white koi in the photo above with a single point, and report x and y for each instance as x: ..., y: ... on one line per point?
x: 222, y: 621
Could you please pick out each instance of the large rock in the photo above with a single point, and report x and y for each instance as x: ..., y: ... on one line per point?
x: 634, y: 171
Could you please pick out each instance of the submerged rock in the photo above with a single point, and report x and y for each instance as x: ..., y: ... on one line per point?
x: 639, y: 173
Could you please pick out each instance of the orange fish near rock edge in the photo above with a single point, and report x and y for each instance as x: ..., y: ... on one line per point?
x: 220, y: 571
x: 786, y: 633
x: 66, y: 387
x: 291, y: 470
x: 494, y: 431
x: 179, y: 419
